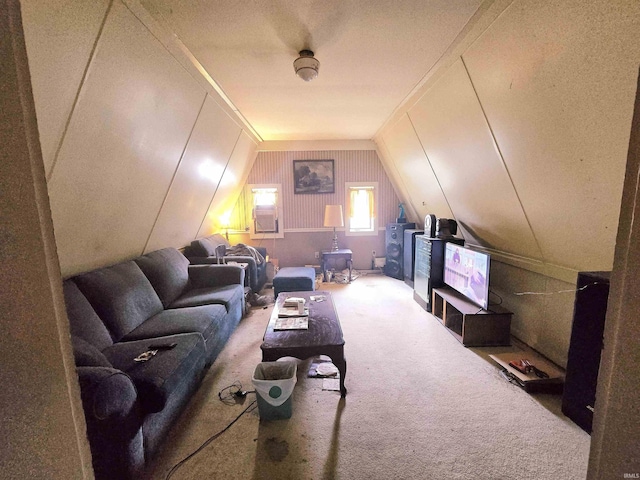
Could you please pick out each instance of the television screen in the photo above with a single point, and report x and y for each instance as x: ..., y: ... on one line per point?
x: 468, y: 272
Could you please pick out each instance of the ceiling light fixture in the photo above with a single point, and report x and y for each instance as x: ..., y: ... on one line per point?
x: 306, y: 66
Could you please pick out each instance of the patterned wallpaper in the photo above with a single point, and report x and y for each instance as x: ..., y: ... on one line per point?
x: 305, y: 211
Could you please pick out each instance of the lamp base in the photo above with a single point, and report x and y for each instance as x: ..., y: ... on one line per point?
x: 334, y: 243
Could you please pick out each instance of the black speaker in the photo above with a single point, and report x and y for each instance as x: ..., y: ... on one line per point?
x: 585, y: 347
x: 394, y: 248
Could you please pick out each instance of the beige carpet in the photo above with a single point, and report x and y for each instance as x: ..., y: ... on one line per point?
x: 419, y: 406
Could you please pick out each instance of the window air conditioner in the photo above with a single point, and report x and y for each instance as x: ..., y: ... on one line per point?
x: 265, y: 218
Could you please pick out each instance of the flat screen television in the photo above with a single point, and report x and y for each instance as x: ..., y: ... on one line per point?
x: 467, y: 271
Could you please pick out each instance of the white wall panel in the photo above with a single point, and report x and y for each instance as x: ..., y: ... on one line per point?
x: 230, y: 185
x: 557, y: 320
x: 557, y: 82
x: 457, y: 140
x: 542, y: 308
x: 396, y: 180
x: 413, y: 166
x: 128, y: 131
x: 59, y: 39
x: 197, y: 178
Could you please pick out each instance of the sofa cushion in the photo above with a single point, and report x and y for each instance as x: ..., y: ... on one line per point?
x: 121, y: 295
x: 86, y: 355
x: 203, y: 248
x: 158, y: 377
x: 167, y: 270
x: 83, y: 319
x: 227, y: 295
x: 203, y: 320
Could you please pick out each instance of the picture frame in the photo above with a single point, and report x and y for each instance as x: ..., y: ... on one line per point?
x: 313, y: 176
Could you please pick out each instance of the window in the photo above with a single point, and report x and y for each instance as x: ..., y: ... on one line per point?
x: 362, y: 205
x: 265, y: 208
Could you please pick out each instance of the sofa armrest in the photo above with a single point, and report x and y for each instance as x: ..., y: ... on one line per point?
x: 110, y: 402
x: 114, y: 422
x: 203, y: 276
x: 203, y: 260
x: 252, y: 268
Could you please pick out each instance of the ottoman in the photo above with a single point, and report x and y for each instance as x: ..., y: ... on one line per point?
x: 294, y: 279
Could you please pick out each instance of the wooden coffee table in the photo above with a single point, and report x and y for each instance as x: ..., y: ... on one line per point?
x: 324, y: 336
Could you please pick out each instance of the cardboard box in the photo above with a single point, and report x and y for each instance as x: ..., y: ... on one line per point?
x: 530, y: 382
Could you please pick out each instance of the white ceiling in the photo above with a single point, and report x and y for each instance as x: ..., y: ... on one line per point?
x: 372, y: 54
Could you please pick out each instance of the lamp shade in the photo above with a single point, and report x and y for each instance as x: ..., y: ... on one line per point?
x: 333, y: 216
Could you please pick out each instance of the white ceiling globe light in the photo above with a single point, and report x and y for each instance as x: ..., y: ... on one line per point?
x: 306, y: 66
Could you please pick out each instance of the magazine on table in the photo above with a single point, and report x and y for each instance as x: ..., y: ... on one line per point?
x: 293, y: 312
x: 292, y: 323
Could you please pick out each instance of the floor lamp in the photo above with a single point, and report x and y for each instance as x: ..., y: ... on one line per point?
x: 333, y: 218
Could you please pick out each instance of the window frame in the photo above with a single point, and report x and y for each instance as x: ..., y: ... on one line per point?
x: 360, y: 233
x: 249, y: 201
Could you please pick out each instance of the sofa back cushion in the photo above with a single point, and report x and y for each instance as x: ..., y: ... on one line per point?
x: 202, y: 248
x: 121, y: 295
x: 83, y: 319
x: 218, y: 239
x: 168, y: 272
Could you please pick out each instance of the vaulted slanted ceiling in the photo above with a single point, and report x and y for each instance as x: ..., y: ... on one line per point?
x: 372, y: 54
x: 498, y: 113
x: 511, y: 116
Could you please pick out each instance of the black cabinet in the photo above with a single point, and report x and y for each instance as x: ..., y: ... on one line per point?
x: 429, y: 267
x: 583, y: 362
x: 410, y: 254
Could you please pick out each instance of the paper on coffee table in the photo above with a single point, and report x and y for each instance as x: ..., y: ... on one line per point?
x: 292, y: 323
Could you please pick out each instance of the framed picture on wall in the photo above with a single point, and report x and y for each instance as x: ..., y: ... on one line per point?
x: 313, y: 176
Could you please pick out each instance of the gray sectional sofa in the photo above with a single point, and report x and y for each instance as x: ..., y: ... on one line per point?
x: 117, y: 313
x: 203, y: 251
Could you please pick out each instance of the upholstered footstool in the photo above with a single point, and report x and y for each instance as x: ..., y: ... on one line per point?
x: 294, y: 279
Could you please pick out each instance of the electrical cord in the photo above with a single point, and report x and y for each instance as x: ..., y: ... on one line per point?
x: 572, y: 290
x: 494, y: 293
x: 239, y: 393
x: 228, y: 395
x: 511, y: 378
x: 233, y: 392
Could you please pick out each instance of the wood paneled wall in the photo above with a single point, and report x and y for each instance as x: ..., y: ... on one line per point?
x: 520, y: 133
x: 140, y: 152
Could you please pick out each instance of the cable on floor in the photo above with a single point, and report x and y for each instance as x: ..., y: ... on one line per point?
x: 239, y: 393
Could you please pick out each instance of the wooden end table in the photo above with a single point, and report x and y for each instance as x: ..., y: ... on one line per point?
x: 330, y: 257
x: 323, y: 337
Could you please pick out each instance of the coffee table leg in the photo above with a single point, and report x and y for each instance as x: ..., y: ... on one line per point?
x: 341, y: 364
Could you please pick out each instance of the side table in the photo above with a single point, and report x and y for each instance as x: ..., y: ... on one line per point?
x: 247, y: 289
x: 330, y: 258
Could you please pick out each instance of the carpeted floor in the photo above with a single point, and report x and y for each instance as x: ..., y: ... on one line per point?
x: 420, y: 406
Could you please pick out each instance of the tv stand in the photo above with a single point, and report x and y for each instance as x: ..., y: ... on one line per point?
x: 470, y: 324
